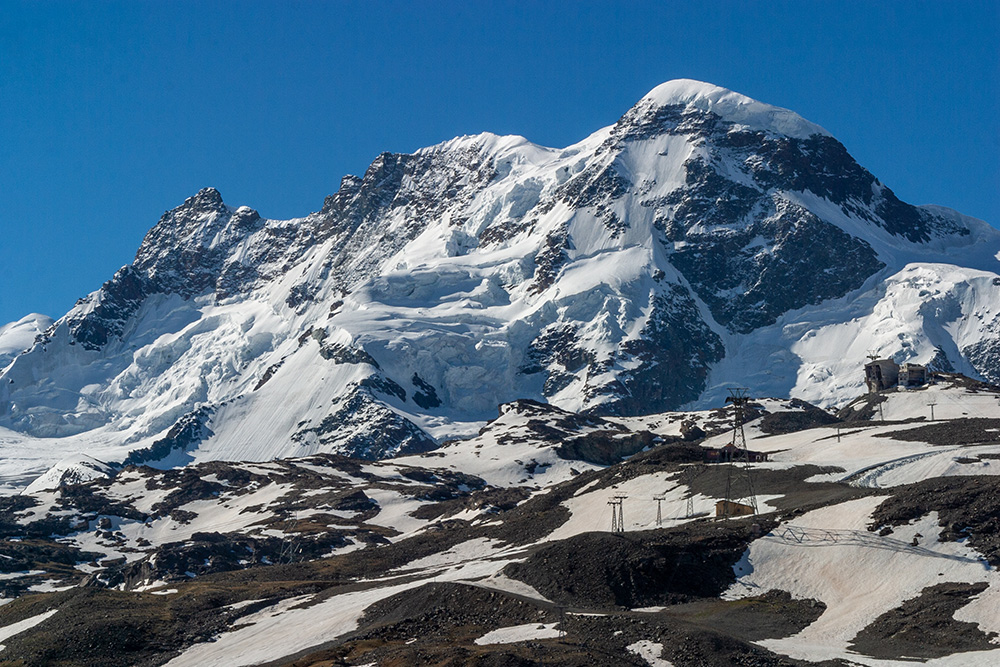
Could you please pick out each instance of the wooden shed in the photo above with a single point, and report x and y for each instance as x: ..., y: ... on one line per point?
x: 729, y: 508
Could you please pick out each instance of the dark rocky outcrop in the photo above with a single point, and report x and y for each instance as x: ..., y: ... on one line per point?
x: 637, y: 570
x: 925, y: 626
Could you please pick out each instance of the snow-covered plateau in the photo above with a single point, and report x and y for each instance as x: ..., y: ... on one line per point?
x: 395, y: 430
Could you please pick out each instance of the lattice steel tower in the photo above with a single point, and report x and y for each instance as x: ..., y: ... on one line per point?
x: 617, y: 515
x: 739, y: 481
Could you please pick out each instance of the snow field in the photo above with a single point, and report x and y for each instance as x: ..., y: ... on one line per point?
x: 291, y: 626
x: 394, y: 512
x: 9, y: 631
x: 950, y: 403
x: 589, y: 509
x: 650, y: 652
x: 887, y: 462
x: 829, y: 555
x: 500, y: 453
x: 18, y: 336
x: 519, y: 633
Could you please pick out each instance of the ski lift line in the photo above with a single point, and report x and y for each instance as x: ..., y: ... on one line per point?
x: 820, y: 537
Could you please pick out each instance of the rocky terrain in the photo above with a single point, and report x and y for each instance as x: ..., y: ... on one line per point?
x: 876, y: 542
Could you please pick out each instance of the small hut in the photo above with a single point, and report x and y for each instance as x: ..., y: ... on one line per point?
x: 729, y: 508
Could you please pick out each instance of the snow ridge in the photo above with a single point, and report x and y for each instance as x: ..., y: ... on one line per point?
x: 733, y: 107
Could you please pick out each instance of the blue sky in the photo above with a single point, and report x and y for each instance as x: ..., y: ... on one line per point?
x: 111, y: 113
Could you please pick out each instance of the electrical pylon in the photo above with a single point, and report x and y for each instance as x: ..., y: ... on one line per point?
x: 617, y: 515
x: 739, y: 482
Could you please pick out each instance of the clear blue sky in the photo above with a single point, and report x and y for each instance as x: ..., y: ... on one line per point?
x: 111, y: 113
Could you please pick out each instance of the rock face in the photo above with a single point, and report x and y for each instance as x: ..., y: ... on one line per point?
x: 703, y: 240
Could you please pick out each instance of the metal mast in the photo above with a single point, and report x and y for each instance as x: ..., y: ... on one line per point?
x: 617, y: 516
x: 739, y: 483
x: 689, y: 475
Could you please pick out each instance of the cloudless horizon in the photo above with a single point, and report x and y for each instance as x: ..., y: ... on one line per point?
x: 113, y: 112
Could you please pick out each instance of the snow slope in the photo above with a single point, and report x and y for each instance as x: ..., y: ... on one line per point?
x: 15, y: 337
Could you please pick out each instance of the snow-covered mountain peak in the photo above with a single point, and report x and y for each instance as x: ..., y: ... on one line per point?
x: 207, y: 199
x: 74, y: 469
x: 186, y: 251
x: 730, y: 106
x: 486, y: 142
x: 15, y: 337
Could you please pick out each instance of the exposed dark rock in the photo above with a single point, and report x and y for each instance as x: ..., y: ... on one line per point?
x: 984, y: 354
x: 550, y: 259
x: 676, y: 349
x: 300, y: 295
x: 342, y: 354
x: 967, y: 507
x: 268, y: 374
x: 556, y: 344
x: 964, y: 431
x: 383, y: 385
x: 110, y: 308
x: 637, y: 569
x: 785, y: 258
x: 385, y: 432
x: 925, y: 626
x: 597, y: 189
x: 207, y: 553
x: 803, y: 416
x: 189, y: 430
x: 604, y: 447
x: 426, y: 396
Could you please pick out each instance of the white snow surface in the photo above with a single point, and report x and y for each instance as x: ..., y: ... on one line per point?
x: 829, y: 555
x: 16, y: 337
x: 75, y: 469
x: 299, y: 623
x: 733, y: 107
x: 519, y: 633
x: 649, y: 651
x: 9, y: 631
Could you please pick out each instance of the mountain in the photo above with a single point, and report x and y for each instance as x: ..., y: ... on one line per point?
x: 703, y: 240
